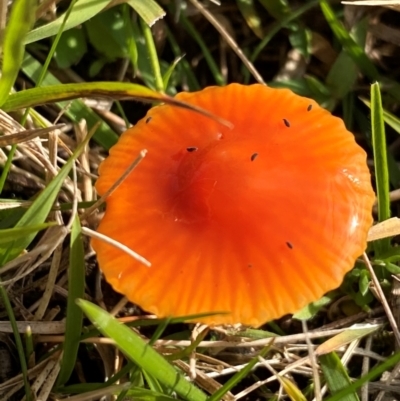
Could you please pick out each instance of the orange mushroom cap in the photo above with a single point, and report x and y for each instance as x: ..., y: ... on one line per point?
x: 257, y: 220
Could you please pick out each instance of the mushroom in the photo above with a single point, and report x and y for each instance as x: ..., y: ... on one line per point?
x: 255, y: 221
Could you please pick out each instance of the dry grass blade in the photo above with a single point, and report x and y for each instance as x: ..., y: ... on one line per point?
x: 393, y: 4
x: 44, y: 328
x: 100, y: 201
x: 50, y: 241
x: 122, y: 247
x: 317, y: 334
x: 17, y: 380
x: 27, y: 135
x: 204, y: 381
x: 43, y: 375
x: 98, y: 394
x: 384, y: 229
x: 51, y: 280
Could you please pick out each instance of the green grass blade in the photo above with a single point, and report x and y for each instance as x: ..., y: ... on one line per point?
x: 18, y: 342
x: 49, y: 57
x: 141, y: 353
x: 76, y: 290
x: 390, y: 119
x: 142, y: 394
x: 191, y: 78
x: 121, y: 90
x: 83, y: 10
x: 381, y: 163
x: 153, y: 57
x: 167, y: 75
x: 152, y: 383
x: 237, y: 377
x: 130, y: 38
x: 13, y: 234
x: 148, y: 10
x: 336, y: 375
x: 371, y: 375
x: 55, y: 93
x: 352, y: 48
x: 310, y: 310
x: 212, y: 65
x: 277, y: 27
x: 76, y: 110
x: 39, y: 210
x: 19, y: 24
x: 55, y: 44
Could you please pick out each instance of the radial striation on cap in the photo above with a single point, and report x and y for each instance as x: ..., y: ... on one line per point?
x: 256, y: 221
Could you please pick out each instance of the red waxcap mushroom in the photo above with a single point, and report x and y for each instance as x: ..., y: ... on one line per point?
x: 257, y: 220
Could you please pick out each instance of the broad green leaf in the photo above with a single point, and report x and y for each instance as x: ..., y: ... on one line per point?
x: 313, y: 308
x: 300, y: 39
x: 76, y: 290
x: 299, y: 86
x: 140, y: 352
x: 113, y: 44
x: 277, y: 8
x: 381, y: 164
x: 71, y: 47
x: 363, y: 282
x: 342, y: 76
x: 19, y: 24
x: 39, y: 210
x: 392, y: 268
x: 82, y: 11
x: 149, y: 10
x: 344, y: 72
x: 13, y: 234
x: 336, y: 375
x: 251, y: 16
